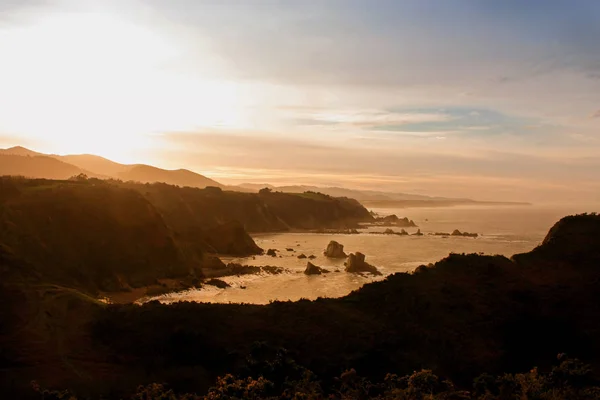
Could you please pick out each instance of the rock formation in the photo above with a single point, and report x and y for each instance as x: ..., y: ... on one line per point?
x: 356, y: 263
x: 390, y: 231
x: 417, y: 233
x: 218, y: 283
x: 456, y: 232
x: 335, y: 250
x: 301, y: 256
x: 393, y: 220
x: 272, y: 252
x: 312, y: 269
x: 231, y: 238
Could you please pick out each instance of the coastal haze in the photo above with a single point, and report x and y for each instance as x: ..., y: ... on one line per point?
x: 342, y: 199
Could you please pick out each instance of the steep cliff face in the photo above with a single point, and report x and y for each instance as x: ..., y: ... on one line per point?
x: 187, y: 209
x: 93, y: 237
x: 312, y: 210
x: 231, y: 238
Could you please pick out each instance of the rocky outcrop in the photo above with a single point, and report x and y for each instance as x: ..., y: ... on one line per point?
x: 218, y: 283
x: 356, y: 263
x: 236, y: 269
x: 335, y: 250
x: 350, y: 231
x: 393, y: 220
x: 232, y: 239
x: 456, y: 232
x: 312, y: 269
x: 272, y: 252
x: 389, y: 231
x: 417, y: 233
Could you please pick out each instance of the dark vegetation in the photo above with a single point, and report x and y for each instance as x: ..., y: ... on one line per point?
x: 459, y: 318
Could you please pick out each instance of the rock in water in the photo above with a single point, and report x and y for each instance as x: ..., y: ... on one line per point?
x: 356, y: 263
x: 418, y: 233
x: 218, y: 283
x: 272, y: 252
x: 335, y: 250
x: 312, y: 269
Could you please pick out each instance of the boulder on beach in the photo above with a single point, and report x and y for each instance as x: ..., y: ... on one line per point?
x: 356, y: 263
x: 335, y: 250
x: 301, y: 256
x: 312, y: 256
x: 312, y: 269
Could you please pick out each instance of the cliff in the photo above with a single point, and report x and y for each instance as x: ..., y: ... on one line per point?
x: 90, y: 237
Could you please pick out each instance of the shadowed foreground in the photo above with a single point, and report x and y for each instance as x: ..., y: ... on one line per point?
x: 466, y: 315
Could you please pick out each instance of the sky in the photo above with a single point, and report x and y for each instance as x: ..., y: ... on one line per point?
x: 494, y: 100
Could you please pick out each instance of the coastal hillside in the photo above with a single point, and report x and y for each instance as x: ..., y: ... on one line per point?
x: 186, y: 209
x: 96, y: 235
x: 90, y: 237
x: 464, y: 315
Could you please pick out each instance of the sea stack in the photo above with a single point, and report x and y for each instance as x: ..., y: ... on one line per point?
x: 335, y: 250
x: 356, y: 263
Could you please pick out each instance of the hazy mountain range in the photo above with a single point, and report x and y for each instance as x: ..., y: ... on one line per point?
x: 24, y: 162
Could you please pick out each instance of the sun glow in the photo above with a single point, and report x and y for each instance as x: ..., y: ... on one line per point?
x: 96, y: 83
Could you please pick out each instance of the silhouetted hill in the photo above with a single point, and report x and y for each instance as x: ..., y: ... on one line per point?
x: 19, y: 151
x: 381, y: 199
x: 180, y: 177
x: 32, y: 164
x: 37, y: 167
x: 99, y: 165
x: 90, y: 237
x: 465, y: 315
x: 189, y: 208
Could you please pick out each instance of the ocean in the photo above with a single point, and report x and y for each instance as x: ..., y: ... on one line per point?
x: 504, y: 230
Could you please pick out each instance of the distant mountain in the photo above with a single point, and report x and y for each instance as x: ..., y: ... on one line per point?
x: 181, y: 177
x: 21, y: 161
x: 360, y: 195
x: 37, y: 167
x: 98, y: 164
x: 379, y: 199
x: 19, y: 151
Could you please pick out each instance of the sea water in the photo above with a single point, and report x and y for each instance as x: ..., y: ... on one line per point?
x: 503, y: 230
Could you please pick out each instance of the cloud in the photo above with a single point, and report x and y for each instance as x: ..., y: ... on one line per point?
x: 371, y: 118
x: 235, y: 157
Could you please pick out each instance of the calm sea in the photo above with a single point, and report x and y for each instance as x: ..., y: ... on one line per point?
x: 504, y: 230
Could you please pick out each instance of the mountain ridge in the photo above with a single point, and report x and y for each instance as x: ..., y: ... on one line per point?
x: 33, y: 164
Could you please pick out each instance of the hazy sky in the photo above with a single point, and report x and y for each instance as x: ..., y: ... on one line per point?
x: 486, y: 99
